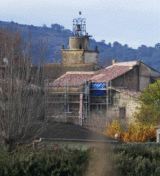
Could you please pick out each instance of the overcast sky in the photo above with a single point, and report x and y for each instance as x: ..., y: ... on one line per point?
x: 132, y: 22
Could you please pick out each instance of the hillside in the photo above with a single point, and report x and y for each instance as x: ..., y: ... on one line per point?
x: 49, y: 40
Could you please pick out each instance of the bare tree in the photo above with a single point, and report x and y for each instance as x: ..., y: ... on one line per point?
x: 22, y: 96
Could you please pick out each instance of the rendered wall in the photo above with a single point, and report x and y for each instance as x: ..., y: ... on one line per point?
x: 75, y: 42
x: 72, y: 56
x: 129, y: 80
x: 158, y: 135
x: 53, y: 71
x: 144, y: 76
x: 90, y: 56
x: 53, y: 144
x: 123, y: 100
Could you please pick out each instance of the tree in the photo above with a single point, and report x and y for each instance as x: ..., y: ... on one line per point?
x: 114, y: 128
x: 136, y: 132
x: 157, y: 45
x: 11, y: 47
x: 22, y: 97
x: 149, y: 112
x: 44, y: 26
x: 58, y: 28
x: 139, y: 132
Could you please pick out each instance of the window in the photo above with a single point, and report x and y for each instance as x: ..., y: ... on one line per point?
x: 122, y: 112
x: 69, y: 108
x: 80, y: 46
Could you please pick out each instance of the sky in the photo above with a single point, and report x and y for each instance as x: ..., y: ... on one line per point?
x: 132, y: 22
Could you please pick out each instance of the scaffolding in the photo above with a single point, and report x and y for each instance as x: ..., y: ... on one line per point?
x: 66, y: 100
x: 76, y: 103
x: 103, y: 101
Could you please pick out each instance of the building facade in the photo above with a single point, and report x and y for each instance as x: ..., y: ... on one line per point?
x: 91, y: 96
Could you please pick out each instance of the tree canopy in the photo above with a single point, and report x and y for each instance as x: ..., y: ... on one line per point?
x: 136, y: 132
x: 22, y: 100
x: 149, y: 112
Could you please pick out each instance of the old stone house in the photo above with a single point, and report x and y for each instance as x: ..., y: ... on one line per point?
x: 84, y: 94
x: 90, y: 98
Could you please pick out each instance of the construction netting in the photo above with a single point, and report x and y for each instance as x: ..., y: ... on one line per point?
x: 98, y: 89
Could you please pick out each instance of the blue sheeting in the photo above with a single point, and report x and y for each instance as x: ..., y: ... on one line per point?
x: 97, y: 87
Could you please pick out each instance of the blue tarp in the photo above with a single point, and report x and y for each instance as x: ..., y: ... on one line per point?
x: 97, y: 87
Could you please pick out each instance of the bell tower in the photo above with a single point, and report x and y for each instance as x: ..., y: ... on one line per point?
x: 78, y: 52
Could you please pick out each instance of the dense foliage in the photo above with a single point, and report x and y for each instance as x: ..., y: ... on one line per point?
x: 149, y: 112
x: 136, y: 132
x: 55, y: 36
x: 135, y: 159
x: 44, y: 163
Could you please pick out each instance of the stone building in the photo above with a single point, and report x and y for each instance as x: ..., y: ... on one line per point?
x: 84, y: 94
x: 77, y: 57
x: 90, y: 98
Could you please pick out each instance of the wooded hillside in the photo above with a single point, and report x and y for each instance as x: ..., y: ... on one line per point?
x: 49, y: 41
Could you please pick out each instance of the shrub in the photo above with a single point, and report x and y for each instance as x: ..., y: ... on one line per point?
x: 46, y: 163
x: 137, y: 160
x: 136, y: 132
x: 133, y: 160
x: 114, y: 128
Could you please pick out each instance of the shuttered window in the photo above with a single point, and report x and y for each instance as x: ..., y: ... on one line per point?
x: 122, y: 112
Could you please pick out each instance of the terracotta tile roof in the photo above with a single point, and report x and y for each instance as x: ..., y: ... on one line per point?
x: 77, y: 78
x: 72, y: 79
x: 109, y: 73
x: 130, y: 92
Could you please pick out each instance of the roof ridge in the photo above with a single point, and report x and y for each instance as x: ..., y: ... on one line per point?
x: 80, y: 72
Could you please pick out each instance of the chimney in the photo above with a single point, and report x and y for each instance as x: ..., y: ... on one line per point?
x: 114, y: 61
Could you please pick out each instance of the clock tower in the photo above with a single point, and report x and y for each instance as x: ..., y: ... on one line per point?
x: 78, y: 52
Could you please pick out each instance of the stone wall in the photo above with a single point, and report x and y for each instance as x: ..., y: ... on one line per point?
x: 121, y: 100
x: 55, y: 144
x: 158, y: 134
x: 53, y: 70
x: 90, y: 56
x: 144, y: 76
x: 72, y: 56
x: 79, y: 43
x: 129, y: 79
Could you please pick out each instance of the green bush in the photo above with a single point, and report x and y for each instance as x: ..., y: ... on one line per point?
x: 134, y: 160
x: 44, y: 163
x: 137, y: 160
